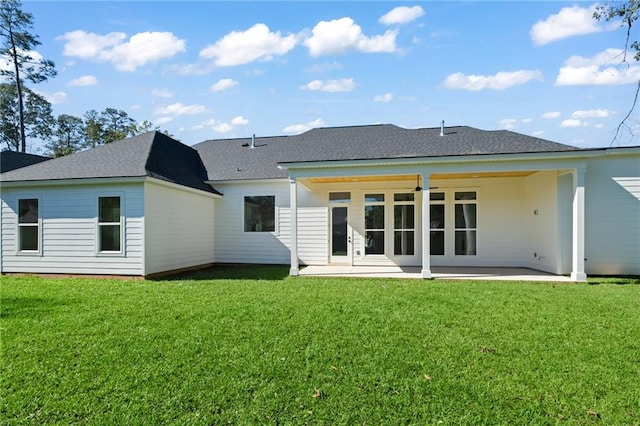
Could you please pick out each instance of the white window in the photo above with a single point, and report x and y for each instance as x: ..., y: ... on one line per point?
x: 109, y: 224
x: 260, y: 213
x: 437, y: 226
x: 374, y: 224
x: 28, y: 225
x: 403, y: 224
x: 465, y: 223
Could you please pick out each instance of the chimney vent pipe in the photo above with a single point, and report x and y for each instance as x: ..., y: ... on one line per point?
x: 442, y: 128
x: 253, y: 141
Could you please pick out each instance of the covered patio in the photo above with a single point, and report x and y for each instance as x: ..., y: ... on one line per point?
x: 437, y: 272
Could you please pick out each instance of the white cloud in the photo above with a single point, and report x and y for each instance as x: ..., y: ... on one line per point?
x: 223, y: 128
x: 593, y: 113
x: 570, y: 21
x: 239, y: 121
x: 601, y: 69
x: 141, y: 49
x: 180, y: 109
x: 500, y: 81
x: 341, y: 35
x: 6, y: 63
x: 342, y: 85
x: 55, y: 98
x: 599, y: 126
x: 508, y: 123
x: 401, y: 15
x: 163, y: 120
x: 387, y: 97
x: 299, y: 128
x: 85, y: 80
x: 551, y: 114
x: 162, y: 93
x: 537, y: 133
x: 257, y: 43
x: 526, y: 120
x: 223, y: 84
x: 572, y: 122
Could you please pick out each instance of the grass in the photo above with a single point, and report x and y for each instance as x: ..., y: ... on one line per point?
x: 251, y: 345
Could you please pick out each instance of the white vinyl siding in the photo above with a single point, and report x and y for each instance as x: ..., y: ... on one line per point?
x: 612, y: 216
x: 69, y: 233
x: 540, y: 220
x: 233, y: 245
x: 179, y: 228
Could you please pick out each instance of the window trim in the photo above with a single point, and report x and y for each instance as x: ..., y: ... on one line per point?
x: 382, y: 203
x: 38, y: 224
x: 276, y: 214
x: 413, y: 230
x: 121, y: 224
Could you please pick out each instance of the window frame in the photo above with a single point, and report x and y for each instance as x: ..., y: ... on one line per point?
x: 99, y: 225
x: 37, y: 224
x: 275, y: 230
x: 473, y: 229
x: 376, y: 203
x: 404, y: 230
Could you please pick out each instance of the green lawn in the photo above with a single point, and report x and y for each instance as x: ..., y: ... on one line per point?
x: 251, y: 345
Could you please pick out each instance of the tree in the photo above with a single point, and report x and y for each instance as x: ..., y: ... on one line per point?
x: 108, y: 126
x: 69, y: 136
x: 628, y: 12
x: 37, y: 117
x: 17, y: 47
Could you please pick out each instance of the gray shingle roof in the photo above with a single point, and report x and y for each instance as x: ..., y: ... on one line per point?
x: 231, y: 159
x: 150, y: 154
x: 11, y: 160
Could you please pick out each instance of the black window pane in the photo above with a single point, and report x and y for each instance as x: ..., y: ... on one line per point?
x: 339, y: 197
x: 403, y: 243
x: 465, y: 216
x: 374, y: 242
x: 374, y: 217
x: 437, y: 243
x: 109, y: 237
x: 403, y: 217
x: 465, y: 243
x: 109, y: 209
x: 465, y: 196
x: 28, y: 210
x: 436, y: 216
x: 436, y: 196
x: 373, y: 198
x: 28, y: 238
x: 260, y: 213
x: 408, y: 196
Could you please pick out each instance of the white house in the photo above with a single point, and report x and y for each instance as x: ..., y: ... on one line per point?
x: 359, y: 195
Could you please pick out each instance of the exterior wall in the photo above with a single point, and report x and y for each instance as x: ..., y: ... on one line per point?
x: 68, y: 221
x: 233, y: 245
x: 179, y: 228
x: 612, y: 216
x: 541, y: 215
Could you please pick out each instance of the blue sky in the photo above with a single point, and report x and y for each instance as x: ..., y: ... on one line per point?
x: 209, y: 70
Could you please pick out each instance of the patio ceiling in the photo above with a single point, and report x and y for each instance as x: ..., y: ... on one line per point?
x: 412, y: 177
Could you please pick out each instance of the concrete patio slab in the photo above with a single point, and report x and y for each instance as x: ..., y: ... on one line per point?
x: 438, y: 272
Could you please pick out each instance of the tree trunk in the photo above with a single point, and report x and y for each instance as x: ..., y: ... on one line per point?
x: 14, y: 53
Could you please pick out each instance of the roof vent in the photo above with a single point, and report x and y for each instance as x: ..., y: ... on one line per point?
x: 442, y: 128
x: 253, y: 141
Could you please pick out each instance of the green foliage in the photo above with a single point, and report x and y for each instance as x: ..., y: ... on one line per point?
x: 627, y: 12
x: 38, y: 118
x: 69, y: 136
x: 231, y: 348
x: 17, y: 46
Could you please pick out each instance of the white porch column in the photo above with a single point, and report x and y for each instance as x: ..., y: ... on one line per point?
x: 426, y: 228
x: 293, y: 203
x: 577, y: 263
